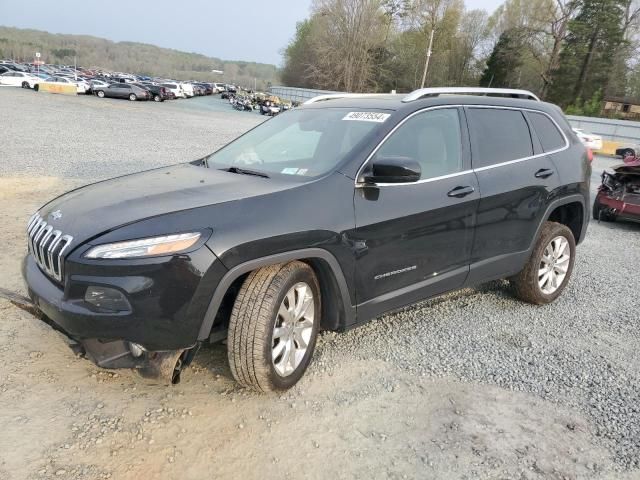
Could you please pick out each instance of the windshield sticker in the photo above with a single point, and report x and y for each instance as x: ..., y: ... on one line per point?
x: 367, y: 116
x: 290, y: 171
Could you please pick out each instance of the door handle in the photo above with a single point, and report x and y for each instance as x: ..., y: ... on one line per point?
x: 460, y: 192
x: 544, y: 173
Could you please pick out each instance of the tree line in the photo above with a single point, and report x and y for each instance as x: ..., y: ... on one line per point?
x: 571, y: 52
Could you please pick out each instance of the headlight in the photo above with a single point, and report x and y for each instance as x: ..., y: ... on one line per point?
x: 145, y: 247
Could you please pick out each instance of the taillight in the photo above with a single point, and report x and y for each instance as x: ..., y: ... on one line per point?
x: 590, y: 155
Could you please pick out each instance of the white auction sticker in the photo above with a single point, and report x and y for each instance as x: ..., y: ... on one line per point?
x: 367, y: 116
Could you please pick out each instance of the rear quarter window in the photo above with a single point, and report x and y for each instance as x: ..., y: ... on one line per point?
x: 548, y: 134
x: 498, y: 136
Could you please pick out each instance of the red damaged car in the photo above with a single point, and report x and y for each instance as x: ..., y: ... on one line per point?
x: 619, y: 194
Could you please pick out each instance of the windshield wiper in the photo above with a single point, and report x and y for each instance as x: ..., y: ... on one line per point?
x: 244, y: 171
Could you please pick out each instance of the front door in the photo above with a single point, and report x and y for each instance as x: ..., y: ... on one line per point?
x: 413, y: 240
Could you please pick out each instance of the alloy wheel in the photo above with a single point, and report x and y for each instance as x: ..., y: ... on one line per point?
x: 554, y: 265
x: 292, y: 329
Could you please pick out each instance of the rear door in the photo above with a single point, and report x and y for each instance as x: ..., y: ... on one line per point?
x: 517, y: 180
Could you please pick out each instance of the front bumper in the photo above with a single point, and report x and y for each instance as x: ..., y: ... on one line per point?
x: 168, y: 298
x: 623, y: 209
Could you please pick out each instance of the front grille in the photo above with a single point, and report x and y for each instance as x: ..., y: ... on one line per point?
x: 47, y: 246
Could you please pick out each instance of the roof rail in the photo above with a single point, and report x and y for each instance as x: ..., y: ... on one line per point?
x: 490, y: 92
x: 334, y: 96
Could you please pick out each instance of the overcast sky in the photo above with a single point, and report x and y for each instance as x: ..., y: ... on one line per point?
x: 254, y: 30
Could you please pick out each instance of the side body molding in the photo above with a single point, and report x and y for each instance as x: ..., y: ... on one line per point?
x: 241, y: 269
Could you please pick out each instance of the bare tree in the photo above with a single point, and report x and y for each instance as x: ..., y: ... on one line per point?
x: 346, y: 34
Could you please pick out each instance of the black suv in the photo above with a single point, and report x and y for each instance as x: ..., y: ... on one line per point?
x: 322, y: 218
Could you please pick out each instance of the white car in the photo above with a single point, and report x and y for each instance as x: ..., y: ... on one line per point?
x: 81, y: 85
x: 188, y: 89
x: 19, y: 79
x: 594, y: 142
x: 176, y: 88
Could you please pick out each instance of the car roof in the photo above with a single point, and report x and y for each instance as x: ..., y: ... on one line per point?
x: 395, y: 102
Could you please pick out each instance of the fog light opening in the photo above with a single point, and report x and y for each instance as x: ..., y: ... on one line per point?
x: 107, y: 299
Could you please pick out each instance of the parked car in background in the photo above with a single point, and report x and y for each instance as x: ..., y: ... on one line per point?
x: 95, y: 85
x: 590, y: 140
x: 175, y: 88
x: 19, y: 79
x: 618, y: 196
x: 124, y: 90
x: 157, y: 92
x: 187, y: 88
x: 81, y: 86
x: 218, y: 87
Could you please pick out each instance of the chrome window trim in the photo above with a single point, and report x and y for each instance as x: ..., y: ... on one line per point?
x: 479, y: 169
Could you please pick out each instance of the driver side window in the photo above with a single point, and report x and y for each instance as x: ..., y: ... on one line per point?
x: 432, y: 138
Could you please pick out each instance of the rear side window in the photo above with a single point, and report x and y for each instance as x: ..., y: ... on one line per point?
x: 498, y: 136
x: 549, y: 135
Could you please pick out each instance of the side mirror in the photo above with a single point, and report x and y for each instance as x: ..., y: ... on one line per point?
x: 392, y: 169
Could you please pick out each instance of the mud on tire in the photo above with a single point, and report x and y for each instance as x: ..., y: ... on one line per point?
x: 253, y: 318
x: 527, y: 282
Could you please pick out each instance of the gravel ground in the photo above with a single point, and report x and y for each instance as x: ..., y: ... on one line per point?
x: 473, y: 384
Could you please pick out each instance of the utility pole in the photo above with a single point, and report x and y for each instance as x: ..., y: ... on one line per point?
x: 426, y: 63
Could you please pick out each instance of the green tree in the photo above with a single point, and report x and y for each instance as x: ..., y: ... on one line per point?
x: 595, y: 37
x: 504, y: 62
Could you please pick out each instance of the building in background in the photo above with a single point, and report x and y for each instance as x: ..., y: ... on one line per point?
x: 622, y: 107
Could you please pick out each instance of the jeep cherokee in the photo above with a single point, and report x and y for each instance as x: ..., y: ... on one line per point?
x: 322, y: 218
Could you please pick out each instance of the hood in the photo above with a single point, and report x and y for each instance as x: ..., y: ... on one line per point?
x: 101, y: 207
x: 629, y: 167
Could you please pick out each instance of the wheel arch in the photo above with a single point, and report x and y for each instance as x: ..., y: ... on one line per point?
x: 333, y: 286
x: 571, y: 211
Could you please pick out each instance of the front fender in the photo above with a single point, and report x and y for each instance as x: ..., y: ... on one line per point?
x: 246, y: 267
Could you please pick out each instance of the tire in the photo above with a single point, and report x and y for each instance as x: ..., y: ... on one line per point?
x: 25, y: 85
x: 528, y: 284
x: 132, y: 97
x: 36, y: 87
x: 100, y: 93
x: 157, y: 98
x: 256, y: 357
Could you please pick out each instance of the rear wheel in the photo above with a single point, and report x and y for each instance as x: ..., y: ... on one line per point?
x: 100, y: 93
x: 273, y: 326
x: 25, y: 85
x: 547, y: 272
x: 157, y: 98
x: 133, y: 97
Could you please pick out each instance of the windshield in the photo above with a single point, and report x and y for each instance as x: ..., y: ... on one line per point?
x: 304, y: 143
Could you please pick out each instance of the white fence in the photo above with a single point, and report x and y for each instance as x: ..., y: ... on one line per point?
x: 298, y: 94
x: 622, y: 131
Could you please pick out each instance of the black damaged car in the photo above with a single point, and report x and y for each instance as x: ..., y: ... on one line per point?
x: 319, y: 219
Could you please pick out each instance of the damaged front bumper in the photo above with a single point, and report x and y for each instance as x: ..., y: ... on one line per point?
x: 46, y: 302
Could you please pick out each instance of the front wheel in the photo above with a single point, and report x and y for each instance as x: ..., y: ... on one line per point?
x: 273, y: 326
x: 133, y: 97
x: 100, y: 94
x: 547, y: 272
x: 157, y: 98
x: 25, y: 85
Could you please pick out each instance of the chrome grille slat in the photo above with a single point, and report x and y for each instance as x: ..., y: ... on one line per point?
x: 47, y: 246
